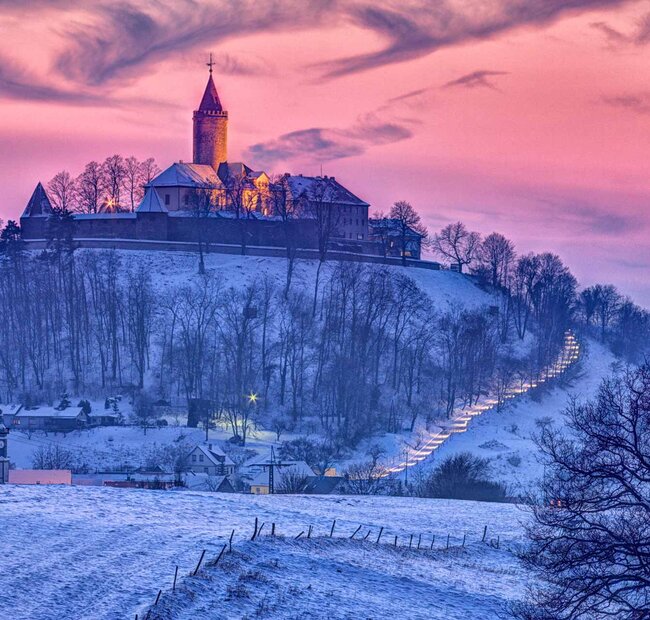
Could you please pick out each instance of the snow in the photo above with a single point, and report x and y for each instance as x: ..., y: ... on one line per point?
x: 99, y: 553
x: 506, y: 437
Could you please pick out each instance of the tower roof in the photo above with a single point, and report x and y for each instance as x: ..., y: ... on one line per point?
x: 39, y: 203
x: 151, y: 202
x: 210, y: 101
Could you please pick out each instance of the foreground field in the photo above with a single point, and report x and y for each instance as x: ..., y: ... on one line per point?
x: 96, y: 553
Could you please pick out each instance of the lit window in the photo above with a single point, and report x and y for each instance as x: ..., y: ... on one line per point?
x: 359, y: 236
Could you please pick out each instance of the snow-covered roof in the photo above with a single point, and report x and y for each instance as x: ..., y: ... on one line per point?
x: 50, y: 412
x: 10, y: 409
x: 214, y: 454
x: 180, y: 174
x: 151, y: 202
x: 327, y: 189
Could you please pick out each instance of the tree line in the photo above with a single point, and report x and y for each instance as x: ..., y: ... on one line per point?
x: 116, y: 184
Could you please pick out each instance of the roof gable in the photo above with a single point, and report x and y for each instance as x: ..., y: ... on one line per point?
x: 180, y: 174
x: 327, y: 189
x: 151, y: 203
x: 39, y: 203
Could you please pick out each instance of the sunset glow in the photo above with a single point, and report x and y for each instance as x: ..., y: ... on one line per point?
x: 517, y: 116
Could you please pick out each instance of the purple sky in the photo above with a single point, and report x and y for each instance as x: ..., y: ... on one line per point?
x: 530, y: 117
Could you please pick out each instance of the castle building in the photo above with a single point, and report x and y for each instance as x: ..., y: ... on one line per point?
x: 232, y: 190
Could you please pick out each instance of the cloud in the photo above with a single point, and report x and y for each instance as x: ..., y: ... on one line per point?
x: 638, y: 103
x: 117, y: 41
x: 18, y: 83
x: 639, y: 35
x: 325, y: 144
x: 414, y: 28
x: 476, y: 79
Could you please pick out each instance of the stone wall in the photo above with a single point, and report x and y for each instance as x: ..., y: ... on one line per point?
x: 210, y: 145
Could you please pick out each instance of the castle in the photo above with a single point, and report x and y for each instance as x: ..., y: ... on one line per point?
x: 222, y: 203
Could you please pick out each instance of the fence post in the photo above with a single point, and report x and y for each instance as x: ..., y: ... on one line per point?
x: 230, y: 541
x: 259, y: 532
x: 332, y: 530
x: 272, y: 529
x: 175, y: 575
x: 309, y: 532
x: 419, y: 540
x: 484, y: 533
x: 464, y: 536
x: 433, y: 539
x: 223, y: 549
x: 410, y: 541
x: 355, y: 532
x: 158, y: 597
x: 255, y: 530
x: 196, y: 570
x: 447, y: 541
x: 396, y: 541
x: 380, y: 531
x: 299, y: 535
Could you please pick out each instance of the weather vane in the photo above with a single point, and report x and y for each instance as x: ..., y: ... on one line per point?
x: 210, y: 64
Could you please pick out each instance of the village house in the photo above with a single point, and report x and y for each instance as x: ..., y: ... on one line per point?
x: 8, y: 412
x: 211, y: 460
x: 50, y: 419
x: 286, y: 475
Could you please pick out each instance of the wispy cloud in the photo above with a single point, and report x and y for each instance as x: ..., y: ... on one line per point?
x: 639, y: 103
x: 476, y: 79
x: 321, y: 144
x: 638, y: 35
x: 113, y: 42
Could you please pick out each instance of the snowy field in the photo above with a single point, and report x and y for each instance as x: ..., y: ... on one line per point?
x: 98, y: 553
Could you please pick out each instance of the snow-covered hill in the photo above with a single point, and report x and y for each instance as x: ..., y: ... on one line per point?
x: 505, y: 437
x: 168, y: 269
x: 99, y: 553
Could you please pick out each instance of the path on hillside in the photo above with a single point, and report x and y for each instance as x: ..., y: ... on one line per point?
x: 461, y: 417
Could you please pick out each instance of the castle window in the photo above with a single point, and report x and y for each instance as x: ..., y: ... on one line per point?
x: 186, y: 199
x: 360, y: 236
x: 167, y: 199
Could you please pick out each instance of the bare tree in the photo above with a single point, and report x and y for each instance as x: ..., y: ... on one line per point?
x: 457, y: 244
x: 288, y: 208
x: 114, y: 173
x: 407, y: 222
x: 497, y: 257
x: 133, y: 182
x: 90, y: 186
x: 62, y: 190
x: 148, y: 170
x: 589, y: 538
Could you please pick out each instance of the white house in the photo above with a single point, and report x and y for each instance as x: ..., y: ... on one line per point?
x: 210, y: 459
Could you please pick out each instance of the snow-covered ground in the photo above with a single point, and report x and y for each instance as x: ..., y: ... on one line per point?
x: 445, y: 288
x: 100, y: 553
x: 505, y: 437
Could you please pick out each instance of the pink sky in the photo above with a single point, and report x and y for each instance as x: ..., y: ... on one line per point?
x: 519, y: 116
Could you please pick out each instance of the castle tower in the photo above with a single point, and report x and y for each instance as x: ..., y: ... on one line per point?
x: 210, y: 128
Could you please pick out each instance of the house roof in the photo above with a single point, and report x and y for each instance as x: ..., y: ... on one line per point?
x: 215, y: 454
x: 322, y: 485
x: 180, y: 174
x: 39, y: 204
x: 151, y: 203
x: 50, y: 412
x: 210, y: 101
x: 327, y: 189
x: 10, y: 409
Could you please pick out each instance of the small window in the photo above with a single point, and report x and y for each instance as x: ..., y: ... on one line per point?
x: 194, y: 458
x: 200, y: 458
x: 357, y: 221
x: 359, y: 236
x: 167, y: 199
